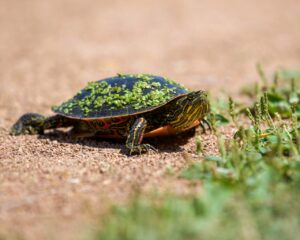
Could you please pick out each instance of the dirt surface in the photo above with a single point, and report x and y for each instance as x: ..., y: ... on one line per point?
x: 52, y: 187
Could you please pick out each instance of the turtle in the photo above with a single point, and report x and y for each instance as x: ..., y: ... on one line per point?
x: 128, y: 106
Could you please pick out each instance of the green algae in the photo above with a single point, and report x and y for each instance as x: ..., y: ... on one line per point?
x: 147, y: 77
x: 145, y: 92
x: 141, y: 76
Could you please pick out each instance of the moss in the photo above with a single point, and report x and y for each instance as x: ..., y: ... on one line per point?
x: 147, y: 77
x: 142, y: 76
x: 146, y: 91
x: 172, y: 82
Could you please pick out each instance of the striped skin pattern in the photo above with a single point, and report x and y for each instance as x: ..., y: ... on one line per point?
x: 191, y: 108
x: 179, y: 114
x: 135, y: 137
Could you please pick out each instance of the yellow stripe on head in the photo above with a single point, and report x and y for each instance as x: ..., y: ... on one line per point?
x: 190, y: 108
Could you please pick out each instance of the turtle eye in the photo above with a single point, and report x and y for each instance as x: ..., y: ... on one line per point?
x: 192, y: 96
x: 182, y: 101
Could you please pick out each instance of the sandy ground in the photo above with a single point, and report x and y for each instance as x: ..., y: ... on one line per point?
x: 52, y: 187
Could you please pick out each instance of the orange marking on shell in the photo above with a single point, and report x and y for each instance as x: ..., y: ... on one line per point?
x: 121, y: 120
x: 162, y: 131
x: 168, y: 130
x: 106, y: 124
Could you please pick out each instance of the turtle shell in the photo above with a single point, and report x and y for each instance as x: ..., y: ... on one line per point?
x: 122, y: 95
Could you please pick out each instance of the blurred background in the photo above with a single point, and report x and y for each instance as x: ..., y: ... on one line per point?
x: 51, y: 49
x: 60, y: 45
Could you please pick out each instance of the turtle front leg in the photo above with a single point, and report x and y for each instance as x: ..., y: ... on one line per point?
x: 135, y: 137
x: 206, y: 122
x: 33, y: 123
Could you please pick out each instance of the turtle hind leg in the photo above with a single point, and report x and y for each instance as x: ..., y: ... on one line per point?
x: 135, y: 137
x: 33, y: 123
x: 29, y: 123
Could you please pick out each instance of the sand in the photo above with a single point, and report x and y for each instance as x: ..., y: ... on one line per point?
x: 53, y: 187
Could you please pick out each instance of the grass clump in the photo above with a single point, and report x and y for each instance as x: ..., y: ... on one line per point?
x: 250, y: 189
x: 282, y: 92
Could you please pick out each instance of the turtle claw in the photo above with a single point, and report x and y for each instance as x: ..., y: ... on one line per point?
x: 204, y: 122
x: 29, y: 123
x: 141, y: 149
x: 150, y: 147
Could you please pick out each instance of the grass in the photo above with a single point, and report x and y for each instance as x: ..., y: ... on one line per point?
x: 250, y: 190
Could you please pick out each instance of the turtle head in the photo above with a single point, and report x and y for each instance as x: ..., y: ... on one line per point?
x: 189, y: 108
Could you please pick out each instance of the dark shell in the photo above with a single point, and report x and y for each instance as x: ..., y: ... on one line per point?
x: 120, y: 96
